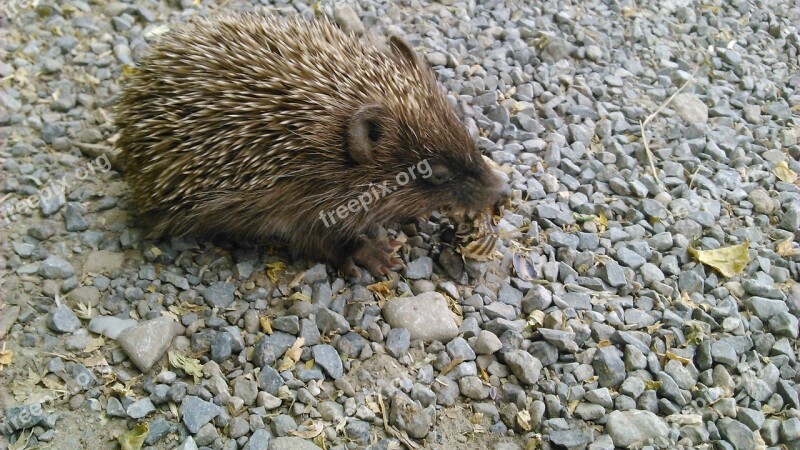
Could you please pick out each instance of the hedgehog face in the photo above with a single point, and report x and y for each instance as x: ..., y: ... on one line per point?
x: 420, y: 169
x: 407, y: 134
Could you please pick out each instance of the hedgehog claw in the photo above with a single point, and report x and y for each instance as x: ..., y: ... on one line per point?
x: 375, y: 256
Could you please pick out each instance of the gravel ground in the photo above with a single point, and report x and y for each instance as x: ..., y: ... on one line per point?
x: 623, y: 338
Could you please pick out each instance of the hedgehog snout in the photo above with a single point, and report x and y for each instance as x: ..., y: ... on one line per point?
x: 500, y: 190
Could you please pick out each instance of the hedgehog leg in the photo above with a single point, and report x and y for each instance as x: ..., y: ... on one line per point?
x: 374, y: 255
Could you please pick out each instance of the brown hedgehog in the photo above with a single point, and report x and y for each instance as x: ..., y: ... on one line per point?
x: 259, y: 127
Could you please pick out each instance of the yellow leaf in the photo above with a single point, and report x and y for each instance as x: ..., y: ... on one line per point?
x: 300, y: 297
x: 572, y: 405
x: 603, y: 343
x: 292, y: 355
x: 602, y: 222
x: 729, y: 261
x: 6, y: 356
x: 273, y: 269
x: 652, y: 385
x: 451, y: 366
x: 680, y: 359
x: 266, y: 324
x: 189, y: 365
x: 784, y: 173
x: 381, y: 287
x: 133, y: 439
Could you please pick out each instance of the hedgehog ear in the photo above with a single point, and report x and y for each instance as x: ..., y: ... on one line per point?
x: 364, y: 131
x: 401, y: 48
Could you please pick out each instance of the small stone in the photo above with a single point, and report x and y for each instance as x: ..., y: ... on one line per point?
x: 487, y: 343
x: 524, y: 366
x: 634, y: 426
x: 690, y: 108
x: 282, y: 424
x: 220, y: 294
x: 197, y: 412
x: 24, y: 416
x: 270, y: 380
x: 426, y: 317
x: 63, y: 320
x: 790, y: 429
x: 327, y: 358
x: 103, y: 261
x: 140, y: 408
x: 609, y: 367
x: 736, y: 433
x: 358, y: 431
x: 612, y: 273
x: 110, y: 326
x: 147, y: 342
x: 259, y: 440
x: 419, y: 269
x: 246, y: 389
x: 397, y: 341
x: 347, y: 18
x: 459, y: 349
x: 409, y: 416
x: 292, y: 443
x: 332, y: 322
x: 55, y: 267
x: 206, y: 435
x: 268, y: 401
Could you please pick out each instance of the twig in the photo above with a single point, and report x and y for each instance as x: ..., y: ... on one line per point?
x: 654, y: 114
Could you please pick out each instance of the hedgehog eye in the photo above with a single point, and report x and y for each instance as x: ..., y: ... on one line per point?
x: 374, y: 131
x: 439, y: 175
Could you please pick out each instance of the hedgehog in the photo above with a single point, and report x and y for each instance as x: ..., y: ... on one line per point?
x: 262, y: 128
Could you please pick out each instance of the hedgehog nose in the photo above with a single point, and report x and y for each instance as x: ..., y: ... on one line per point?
x: 502, y: 188
x: 505, y: 193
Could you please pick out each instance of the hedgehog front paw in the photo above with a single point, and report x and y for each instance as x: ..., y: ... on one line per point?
x: 374, y: 255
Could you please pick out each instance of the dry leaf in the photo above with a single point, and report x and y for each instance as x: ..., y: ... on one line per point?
x: 266, y: 324
x: 133, y: 439
x: 382, y: 288
x: 6, y: 356
x: 603, y: 343
x: 313, y: 430
x: 729, y: 261
x: 273, y: 269
x: 680, y: 359
x: 784, y: 173
x: 787, y: 249
x: 523, y: 267
x: 602, y: 222
x: 94, y: 344
x: 572, y: 405
x: 536, y: 319
x: 652, y: 385
x: 446, y: 369
x: 524, y: 420
x: 580, y: 218
x: 292, y: 355
x: 189, y: 365
x: 300, y: 297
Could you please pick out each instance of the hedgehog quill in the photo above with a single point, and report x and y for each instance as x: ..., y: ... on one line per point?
x: 249, y: 125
